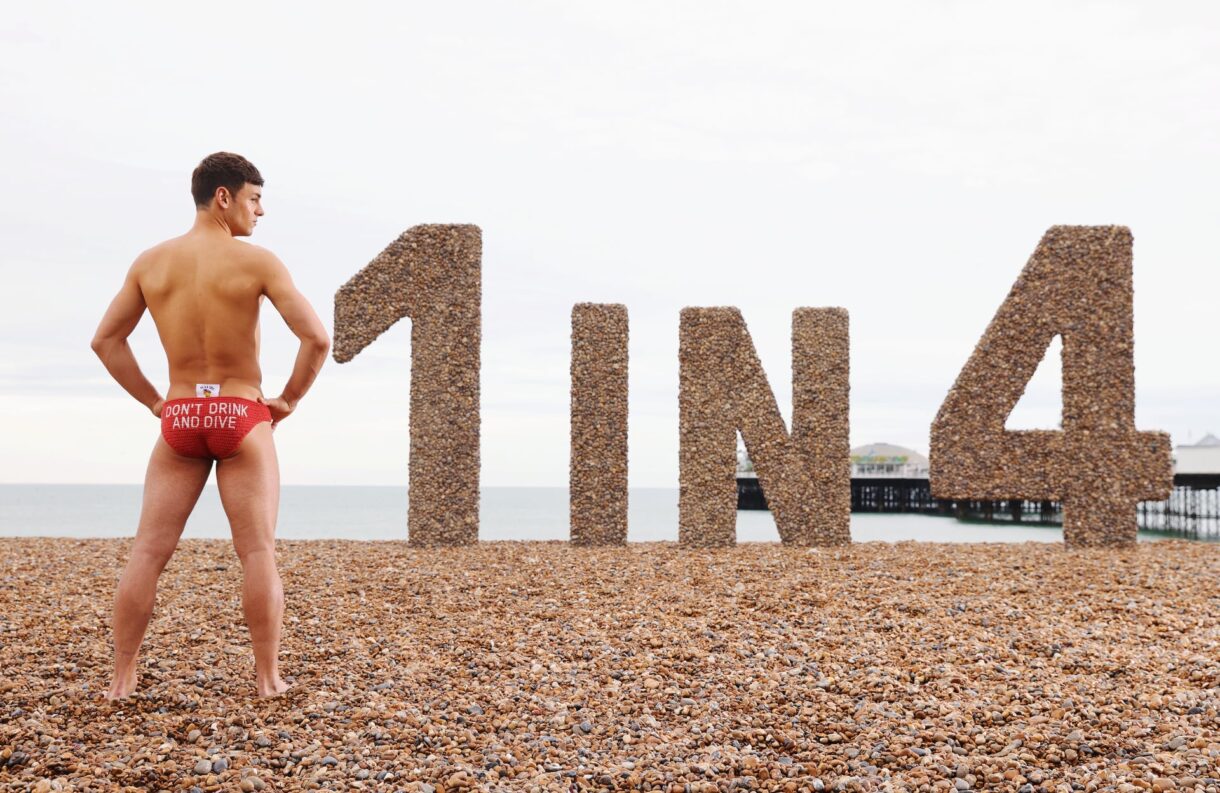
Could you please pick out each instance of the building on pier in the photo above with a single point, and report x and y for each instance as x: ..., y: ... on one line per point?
x: 887, y: 461
x: 889, y: 478
x: 1198, y: 459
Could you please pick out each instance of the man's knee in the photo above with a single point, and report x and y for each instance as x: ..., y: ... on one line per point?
x: 154, y: 555
x: 248, y: 551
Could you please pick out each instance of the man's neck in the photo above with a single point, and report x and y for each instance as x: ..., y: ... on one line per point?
x: 207, y: 222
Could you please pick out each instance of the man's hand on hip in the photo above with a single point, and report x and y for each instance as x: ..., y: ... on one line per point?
x: 280, y: 409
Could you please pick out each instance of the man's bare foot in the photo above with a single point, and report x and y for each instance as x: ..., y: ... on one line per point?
x: 121, y: 689
x: 273, y: 689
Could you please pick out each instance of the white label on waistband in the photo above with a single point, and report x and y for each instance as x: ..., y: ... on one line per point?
x: 207, y: 389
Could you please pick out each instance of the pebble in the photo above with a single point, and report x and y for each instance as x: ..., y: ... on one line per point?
x: 921, y: 704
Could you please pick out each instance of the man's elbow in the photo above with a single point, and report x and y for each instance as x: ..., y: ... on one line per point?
x: 99, y: 345
x: 320, y: 343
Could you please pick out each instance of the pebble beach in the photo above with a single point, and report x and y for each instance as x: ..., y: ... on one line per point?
x: 540, y: 666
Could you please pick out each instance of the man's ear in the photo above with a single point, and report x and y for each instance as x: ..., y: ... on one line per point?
x: 223, y: 197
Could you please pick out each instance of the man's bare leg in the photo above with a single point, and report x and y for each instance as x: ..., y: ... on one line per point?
x: 171, y: 488
x: 250, y: 490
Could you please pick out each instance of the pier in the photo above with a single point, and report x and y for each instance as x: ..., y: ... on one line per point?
x: 1192, y: 510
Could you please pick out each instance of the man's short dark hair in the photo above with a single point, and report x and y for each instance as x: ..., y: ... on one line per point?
x: 222, y: 169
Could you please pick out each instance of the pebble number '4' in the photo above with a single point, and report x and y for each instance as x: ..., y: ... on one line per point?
x: 1076, y: 285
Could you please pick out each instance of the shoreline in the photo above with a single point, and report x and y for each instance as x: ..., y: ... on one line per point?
x: 519, y: 665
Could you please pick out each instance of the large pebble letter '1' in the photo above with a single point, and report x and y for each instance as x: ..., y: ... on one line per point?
x: 1078, y: 285
x: 433, y: 275
x: 805, y: 476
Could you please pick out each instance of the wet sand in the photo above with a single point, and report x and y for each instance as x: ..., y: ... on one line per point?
x: 541, y: 666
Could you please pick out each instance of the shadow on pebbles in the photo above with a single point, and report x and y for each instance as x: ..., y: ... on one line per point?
x: 540, y: 666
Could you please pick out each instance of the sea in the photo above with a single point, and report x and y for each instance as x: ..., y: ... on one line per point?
x: 311, y: 512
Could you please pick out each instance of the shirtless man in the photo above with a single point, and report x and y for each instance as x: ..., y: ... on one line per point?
x: 204, y: 290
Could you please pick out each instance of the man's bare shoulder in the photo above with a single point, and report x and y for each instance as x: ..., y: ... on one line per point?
x: 262, y: 261
x: 159, y: 250
x: 259, y: 253
x: 245, y: 255
x: 154, y: 258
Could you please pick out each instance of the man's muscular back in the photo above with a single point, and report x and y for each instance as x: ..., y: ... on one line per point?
x: 204, y: 290
x: 204, y: 293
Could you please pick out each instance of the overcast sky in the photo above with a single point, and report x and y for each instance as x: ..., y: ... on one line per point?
x: 900, y: 160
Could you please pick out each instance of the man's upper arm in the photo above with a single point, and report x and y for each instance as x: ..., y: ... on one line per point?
x: 124, y: 312
x: 300, y: 317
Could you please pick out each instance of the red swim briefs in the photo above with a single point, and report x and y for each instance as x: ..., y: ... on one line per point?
x: 210, y: 426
